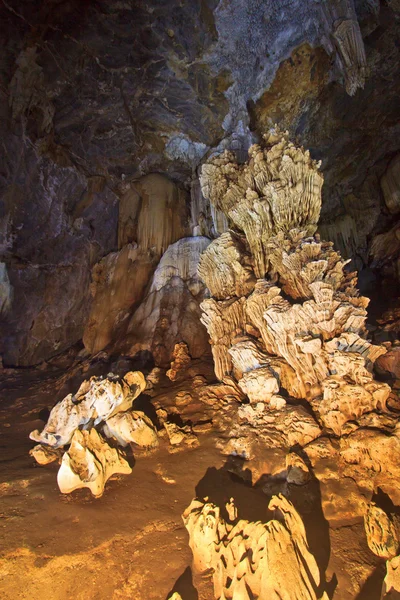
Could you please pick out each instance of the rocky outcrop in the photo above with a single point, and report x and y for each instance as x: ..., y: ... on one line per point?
x: 294, y: 341
x: 279, y: 189
x: 118, y: 285
x: 49, y: 250
x: 382, y: 532
x: 96, y: 400
x: 131, y: 428
x: 247, y: 560
x: 85, y: 121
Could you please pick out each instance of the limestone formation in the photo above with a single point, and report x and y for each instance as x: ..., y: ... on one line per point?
x: 381, y: 533
x: 391, y: 583
x: 301, y: 326
x: 170, y: 312
x: 297, y: 471
x: 152, y: 215
x: 371, y: 455
x: 180, y: 435
x: 253, y: 560
x: 278, y: 189
x: 260, y: 426
x: 205, y: 219
x: 118, y: 285
x: 350, y: 44
x: 162, y: 218
x: 345, y: 30
x: 385, y: 252
x: 89, y: 463
x: 181, y: 359
x: 235, y: 277
x: 132, y: 428
x: 96, y: 400
x: 45, y: 455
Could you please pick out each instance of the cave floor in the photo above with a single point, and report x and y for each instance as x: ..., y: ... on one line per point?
x: 131, y: 543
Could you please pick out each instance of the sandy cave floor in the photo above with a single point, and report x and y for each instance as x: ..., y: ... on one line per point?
x: 131, y: 543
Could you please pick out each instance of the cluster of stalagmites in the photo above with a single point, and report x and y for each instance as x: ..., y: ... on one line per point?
x: 252, y: 559
x: 100, y: 404
x: 285, y: 319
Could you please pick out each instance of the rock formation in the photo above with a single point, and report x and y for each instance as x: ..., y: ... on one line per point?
x: 89, y: 460
x: 300, y: 327
x: 253, y: 560
x: 170, y: 311
x: 390, y: 184
x: 96, y: 400
x: 152, y: 215
x: 88, y: 463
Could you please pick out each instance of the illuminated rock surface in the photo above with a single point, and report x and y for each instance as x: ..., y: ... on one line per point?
x: 145, y: 173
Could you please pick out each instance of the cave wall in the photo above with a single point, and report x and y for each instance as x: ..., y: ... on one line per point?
x: 99, y: 95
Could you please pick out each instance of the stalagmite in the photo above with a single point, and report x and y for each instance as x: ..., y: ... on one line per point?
x: 170, y: 312
x: 89, y: 463
x: 253, y: 560
x: 90, y: 460
x: 278, y: 189
x: 301, y: 326
x: 181, y: 359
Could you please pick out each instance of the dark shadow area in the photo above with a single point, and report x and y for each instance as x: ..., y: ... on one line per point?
x: 144, y: 404
x: 142, y: 361
x: 308, y: 503
x: 184, y: 586
x: 233, y: 480
x: 384, y: 502
x: 43, y: 415
x: 371, y: 590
